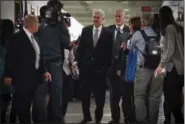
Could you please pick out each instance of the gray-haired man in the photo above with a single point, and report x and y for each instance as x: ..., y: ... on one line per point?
x: 94, y: 56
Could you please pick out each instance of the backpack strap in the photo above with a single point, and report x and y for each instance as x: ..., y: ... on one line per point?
x: 140, y: 51
x: 146, y: 38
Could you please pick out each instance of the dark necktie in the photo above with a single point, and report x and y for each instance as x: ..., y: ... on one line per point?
x: 117, y: 43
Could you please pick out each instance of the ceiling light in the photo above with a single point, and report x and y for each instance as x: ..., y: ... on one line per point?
x: 127, y: 14
x: 126, y: 10
x: 124, y: 2
x: 89, y: 2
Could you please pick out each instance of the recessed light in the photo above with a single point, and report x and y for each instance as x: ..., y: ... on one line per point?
x: 124, y: 2
x: 126, y: 10
x: 89, y: 2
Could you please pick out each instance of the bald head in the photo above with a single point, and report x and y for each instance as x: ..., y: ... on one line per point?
x: 31, y: 23
x: 119, y: 17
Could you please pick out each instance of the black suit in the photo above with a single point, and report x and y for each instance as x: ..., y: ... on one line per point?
x: 94, y: 63
x: 20, y: 66
x: 118, y: 87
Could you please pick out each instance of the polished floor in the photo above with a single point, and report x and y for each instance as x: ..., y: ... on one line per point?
x: 74, y: 113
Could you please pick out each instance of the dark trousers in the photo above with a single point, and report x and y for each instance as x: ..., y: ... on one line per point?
x: 97, y: 86
x: 173, y: 94
x: 21, y: 103
x: 76, y: 89
x: 51, y: 112
x: 55, y: 92
x: 121, y: 89
x: 167, y: 112
x: 39, y: 109
x: 67, y: 93
x: 4, y: 103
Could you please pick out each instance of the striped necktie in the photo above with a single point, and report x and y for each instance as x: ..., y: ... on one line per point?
x: 37, y: 51
x: 95, y: 38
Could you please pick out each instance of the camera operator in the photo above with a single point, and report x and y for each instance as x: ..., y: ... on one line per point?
x: 54, y: 38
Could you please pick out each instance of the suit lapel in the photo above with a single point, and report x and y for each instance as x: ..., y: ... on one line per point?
x: 100, y: 37
x: 91, y: 37
x: 114, y: 28
x: 27, y: 39
x: 124, y: 29
x: 37, y: 40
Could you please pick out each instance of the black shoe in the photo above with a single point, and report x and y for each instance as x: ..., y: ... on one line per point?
x: 113, y: 122
x: 128, y: 122
x: 167, y: 121
x: 98, y: 122
x: 63, y: 121
x: 84, y: 121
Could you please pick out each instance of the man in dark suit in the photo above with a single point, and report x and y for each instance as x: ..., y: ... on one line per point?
x: 24, y: 69
x: 94, y: 56
x: 118, y: 87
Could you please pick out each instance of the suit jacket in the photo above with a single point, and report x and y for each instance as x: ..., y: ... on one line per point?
x: 121, y: 64
x: 20, y: 63
x: 94, y: 59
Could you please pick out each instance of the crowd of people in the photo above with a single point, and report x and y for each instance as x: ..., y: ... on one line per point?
x: 137, y: 63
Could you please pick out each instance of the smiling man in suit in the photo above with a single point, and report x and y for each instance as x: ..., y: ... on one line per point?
x: 94, y: 56
x: 24, y: 69
x: 118, y: 87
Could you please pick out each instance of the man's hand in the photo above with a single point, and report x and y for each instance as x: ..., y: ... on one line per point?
x: 160, y: 71
x: 47, y: 76
x: 71, y: 45
x: 8, y: 81
x: 74, y: 68
x: 118, y: 73
x: 124, y: 46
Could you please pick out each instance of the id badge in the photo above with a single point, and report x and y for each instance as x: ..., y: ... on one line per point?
x: 154, y: 52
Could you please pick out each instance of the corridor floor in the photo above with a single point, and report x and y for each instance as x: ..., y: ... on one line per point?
x: 74, y: 112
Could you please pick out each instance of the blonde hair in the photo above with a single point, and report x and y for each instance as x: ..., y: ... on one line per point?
x: 29, y: 20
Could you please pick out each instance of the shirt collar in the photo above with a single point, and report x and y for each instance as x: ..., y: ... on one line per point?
x: 99, y: 28
x: 121, y: 27
x: 27, y: 32
x: 147, y: 27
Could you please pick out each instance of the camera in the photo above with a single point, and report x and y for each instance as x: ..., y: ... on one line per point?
x: 52, y: 14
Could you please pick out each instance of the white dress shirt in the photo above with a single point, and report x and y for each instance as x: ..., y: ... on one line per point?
x: 99, y: 31
x: 35, y: 46
x: 68, y: 57
x: 115, y: 32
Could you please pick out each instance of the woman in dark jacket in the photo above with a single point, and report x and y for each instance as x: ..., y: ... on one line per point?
x: 7, y: 29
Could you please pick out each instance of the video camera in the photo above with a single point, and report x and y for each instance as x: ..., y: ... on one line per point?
x: 52, y: 14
